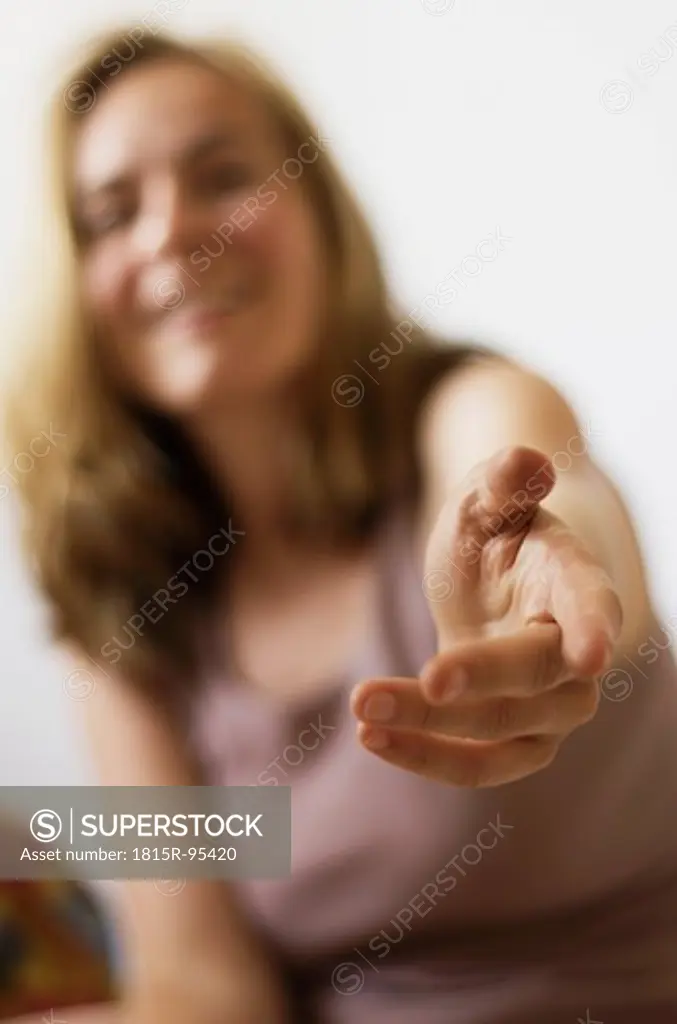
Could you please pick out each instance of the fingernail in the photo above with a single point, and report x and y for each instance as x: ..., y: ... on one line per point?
x: 376, y: 739
x: 428, y: 671
x: 380, y: 707
x: 455, y: 683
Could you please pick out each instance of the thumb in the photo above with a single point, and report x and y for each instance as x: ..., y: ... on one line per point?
x: 500, y: 495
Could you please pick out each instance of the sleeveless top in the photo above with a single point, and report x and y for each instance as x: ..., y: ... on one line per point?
x: 414, y: 902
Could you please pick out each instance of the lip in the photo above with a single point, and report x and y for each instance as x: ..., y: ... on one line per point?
x: 203, y: 319
x: 202, y: 316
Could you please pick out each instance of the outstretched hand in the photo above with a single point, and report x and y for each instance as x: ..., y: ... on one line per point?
x: 526, y: 619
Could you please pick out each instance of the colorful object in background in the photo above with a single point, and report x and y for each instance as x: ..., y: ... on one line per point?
x: 53, y: 948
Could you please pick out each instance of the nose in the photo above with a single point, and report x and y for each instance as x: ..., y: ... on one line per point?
x: 167, y: 226
x: 167, y: 230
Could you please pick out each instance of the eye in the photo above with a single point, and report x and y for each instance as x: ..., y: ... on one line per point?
x: 224, y: 177
x: 98, y: 223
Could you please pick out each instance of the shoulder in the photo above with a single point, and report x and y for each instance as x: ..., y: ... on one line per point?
x: 482, y: 407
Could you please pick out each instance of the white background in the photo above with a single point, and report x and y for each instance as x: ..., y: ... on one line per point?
x: 450, y: 122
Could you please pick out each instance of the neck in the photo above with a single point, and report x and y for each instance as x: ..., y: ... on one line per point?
x: 249, y: 453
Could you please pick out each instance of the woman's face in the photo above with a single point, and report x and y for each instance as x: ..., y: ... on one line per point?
x: 201, y: 255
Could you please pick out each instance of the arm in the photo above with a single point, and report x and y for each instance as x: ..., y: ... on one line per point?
x: 189, y: 957
x: 534, y: 580
x: 476, y: 412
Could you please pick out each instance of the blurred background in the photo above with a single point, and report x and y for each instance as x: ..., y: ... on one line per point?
x: 551, y: 125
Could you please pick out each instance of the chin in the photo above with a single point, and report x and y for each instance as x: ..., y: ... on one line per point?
x: 253, y: 388
x: 255, y: 373
x: 211, y: 373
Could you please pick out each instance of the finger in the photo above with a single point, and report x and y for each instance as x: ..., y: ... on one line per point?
x: 520, y: 664
x: 460, y: 762
x: 499, y: 495
x: 497, y: 499
x: 589, y: 612
x: 555, y: 713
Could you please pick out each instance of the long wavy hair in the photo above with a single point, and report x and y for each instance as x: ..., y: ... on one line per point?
x: 120, y: 501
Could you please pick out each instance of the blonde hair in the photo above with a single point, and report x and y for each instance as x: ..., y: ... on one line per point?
x: 121, y: 501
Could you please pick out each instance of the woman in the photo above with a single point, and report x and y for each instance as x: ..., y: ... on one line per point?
x: 425, y: 569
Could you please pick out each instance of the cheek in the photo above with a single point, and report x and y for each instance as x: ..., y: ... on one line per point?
x: 286, y: 241
x: 106, y: 290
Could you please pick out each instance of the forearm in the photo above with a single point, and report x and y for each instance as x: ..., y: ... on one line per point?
x: 168, y: 1005
x: 189, y: 996
x: 195, y: 943
x: 199, y: 932
x: 222, y: 976
x: 104, y: 1013
x: 193, y: 996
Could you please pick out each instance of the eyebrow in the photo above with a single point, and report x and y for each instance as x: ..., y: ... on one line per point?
x: 199, y: 148
x: 206, y: 144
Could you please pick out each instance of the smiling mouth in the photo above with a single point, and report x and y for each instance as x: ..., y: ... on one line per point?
x: 203, y: 315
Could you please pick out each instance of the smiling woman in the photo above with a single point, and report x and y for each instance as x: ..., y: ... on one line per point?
x: 161, y: 368
x: 175, y: 183
x: 411, y: 628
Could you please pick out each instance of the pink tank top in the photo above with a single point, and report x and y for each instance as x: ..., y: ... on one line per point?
x: 412, y: 902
